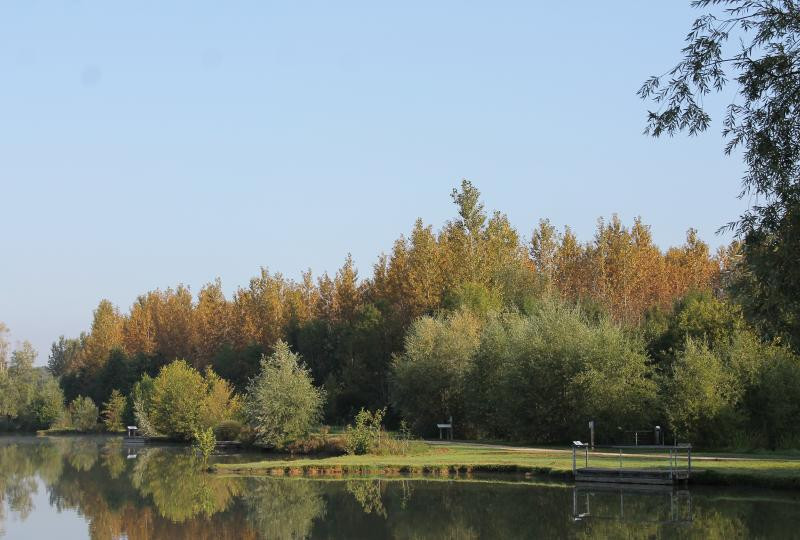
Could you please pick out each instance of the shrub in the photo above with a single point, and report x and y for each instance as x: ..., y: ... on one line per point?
x: 364, y: 437
x: 282, y: 404
x: 83, y: 413
x: 204, y: 443
x: 319, y: 443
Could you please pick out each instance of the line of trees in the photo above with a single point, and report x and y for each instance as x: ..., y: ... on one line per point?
x: 516, y: 339
x: 347, y: 329
x: 538, y: 375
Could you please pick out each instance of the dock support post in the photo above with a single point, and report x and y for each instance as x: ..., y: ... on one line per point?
x: 671, y: 454
x: 574, y: 467
x: 620, y: 459
x: 587, y: 457
x: 689, y: 460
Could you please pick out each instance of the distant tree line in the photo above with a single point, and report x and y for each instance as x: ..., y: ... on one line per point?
x: 516, y: 339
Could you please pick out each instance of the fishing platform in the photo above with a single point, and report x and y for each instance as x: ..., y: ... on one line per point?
x: 676, y: 469
x: 132, y: 437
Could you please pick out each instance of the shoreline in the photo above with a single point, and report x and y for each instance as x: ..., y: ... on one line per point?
x: 463, y: 460
x: 460, y: 460
x: 456, y: 472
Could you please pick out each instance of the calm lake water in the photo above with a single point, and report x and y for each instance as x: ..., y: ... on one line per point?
x: 93, y: 487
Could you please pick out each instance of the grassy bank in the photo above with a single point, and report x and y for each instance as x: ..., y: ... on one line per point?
x: 464, y: 459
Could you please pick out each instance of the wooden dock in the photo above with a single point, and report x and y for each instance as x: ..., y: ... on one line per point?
x: 133, y: 441
x: 676, y: 471
x: 630, y: 476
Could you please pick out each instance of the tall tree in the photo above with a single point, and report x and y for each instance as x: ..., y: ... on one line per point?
x: 3, y: 347
x: 212, y: 319
x: 544, y: 247
x: 105, y: 334
x: 764, y: 121
x: 139, y: 329
x: 64, y: 354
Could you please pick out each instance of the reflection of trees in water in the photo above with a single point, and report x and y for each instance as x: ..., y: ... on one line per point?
x: 90, y: 475
x: 113, y: 458
x: 178, y: 488
x: 283, y: 508
x: 368, y: 495
x: 18, y: 467
x: 82, y: 453
x: 161, y: 495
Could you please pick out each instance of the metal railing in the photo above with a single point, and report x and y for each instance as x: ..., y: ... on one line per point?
x: 673, y: 454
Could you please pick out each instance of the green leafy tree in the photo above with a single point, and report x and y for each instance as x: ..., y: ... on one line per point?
x: 429, y: 377
x: 64, y: 355
x: 142, y: 404
x: 763, y: 62
x: 701, y: 396
x: 114, y: 411
x: 47, y: 407
x: 282, y: 403
x: 83, y: 413
x: 543, y: 375
x: 699, y: 316
x: 774, y: 402
x: 21, y: 384
x: 178, y: 401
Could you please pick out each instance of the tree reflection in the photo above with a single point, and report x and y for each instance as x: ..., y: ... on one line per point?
x: 283, y: 507
x: 17, y: 483
x: 178, y: 487
x: 368, y: 495
x: 163, y: 494
x: 113, y: 458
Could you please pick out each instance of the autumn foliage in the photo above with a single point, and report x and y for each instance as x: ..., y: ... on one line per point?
x: 348, y: 327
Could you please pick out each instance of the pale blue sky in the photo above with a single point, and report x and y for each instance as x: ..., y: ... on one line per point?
x: 144, y: 144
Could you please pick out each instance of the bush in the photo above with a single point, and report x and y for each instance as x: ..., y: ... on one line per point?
x: 282, y: 404
x: 365, y: 436
x: 83, y: 413
x: 204, y: 443
x: 319, y: 443
x: 228, y: 430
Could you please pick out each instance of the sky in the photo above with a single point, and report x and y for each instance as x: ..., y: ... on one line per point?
x: 147, y: 144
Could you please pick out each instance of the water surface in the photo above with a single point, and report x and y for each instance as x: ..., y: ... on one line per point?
x: 94, y: 487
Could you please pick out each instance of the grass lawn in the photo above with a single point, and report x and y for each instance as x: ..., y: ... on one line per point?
x: 460, y: 458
